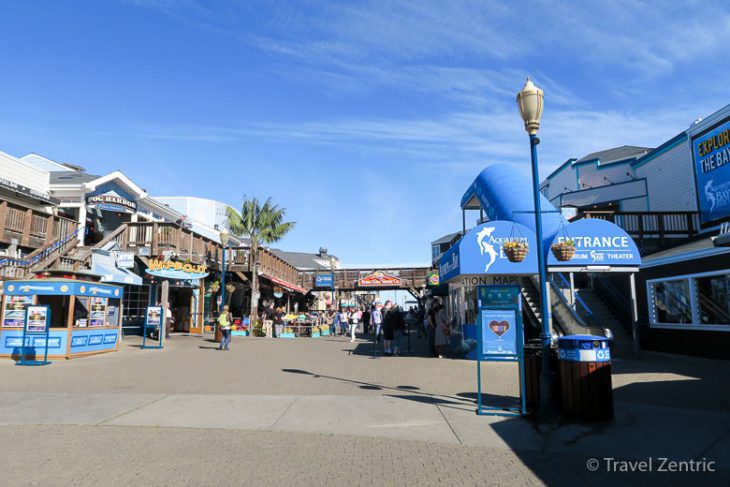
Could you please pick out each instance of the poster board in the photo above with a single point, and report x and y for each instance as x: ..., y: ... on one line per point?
x: 153, y: 321
x: 97, y: 311
x: 35, y: 335
x: 14, y: 311
x: 500, y: 339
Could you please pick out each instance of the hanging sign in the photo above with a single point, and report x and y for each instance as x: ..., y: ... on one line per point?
x: 278, y: 292
x: 379, y: 279
x: 323, y: 281
x: 176, y: 270
x: 14, y: 310
x: 433, y: 278
x: 125, y: 260
x: 111, y: 202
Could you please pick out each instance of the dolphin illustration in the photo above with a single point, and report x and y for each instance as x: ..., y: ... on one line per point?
x: 709, y: 194
x: 485, y: 247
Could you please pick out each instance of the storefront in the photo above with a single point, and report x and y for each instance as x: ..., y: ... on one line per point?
x: 85, y: 317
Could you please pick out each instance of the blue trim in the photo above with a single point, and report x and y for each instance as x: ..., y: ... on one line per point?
x: 670, y: 144
x: 609, y: 165
x: 589, y: 161
x: 569, y: 162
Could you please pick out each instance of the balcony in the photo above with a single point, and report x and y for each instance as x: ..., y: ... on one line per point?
x: 31, y: 229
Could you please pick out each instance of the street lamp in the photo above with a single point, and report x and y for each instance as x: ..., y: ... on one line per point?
x: 224, y: 241
x: 530, y: 103
x: 333, y: 262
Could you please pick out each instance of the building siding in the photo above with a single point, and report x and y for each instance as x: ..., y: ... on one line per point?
x: 670, y: 180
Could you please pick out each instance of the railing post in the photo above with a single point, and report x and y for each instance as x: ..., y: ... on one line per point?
x: 153, y: 240
x: 660, y: 227
x: 50, y: 223
x: 3, y: 216
x: 27, y: 220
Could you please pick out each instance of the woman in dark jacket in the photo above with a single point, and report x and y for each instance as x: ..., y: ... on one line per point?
x: 399, y: 326
x: 388, y: 329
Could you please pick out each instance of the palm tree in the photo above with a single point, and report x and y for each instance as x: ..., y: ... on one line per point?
x: 262, y: 225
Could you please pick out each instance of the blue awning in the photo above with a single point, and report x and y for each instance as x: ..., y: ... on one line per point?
x: 111, y: 273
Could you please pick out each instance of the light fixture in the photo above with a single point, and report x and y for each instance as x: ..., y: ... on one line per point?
x: 224, y: 237
x: 530, y: 103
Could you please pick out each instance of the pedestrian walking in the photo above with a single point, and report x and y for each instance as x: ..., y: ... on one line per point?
x: 335, y: 320
x: 365, y: 319
x: 354, y: 322
x: 387, y: 328
x: 224, y: 322
x: 278, y: 322
x: 344, y: 316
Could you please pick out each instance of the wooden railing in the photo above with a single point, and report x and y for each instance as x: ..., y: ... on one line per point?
x: 651, y: 224
x: 158, y: 237
x: 32, y: 228
x: 411, y: 277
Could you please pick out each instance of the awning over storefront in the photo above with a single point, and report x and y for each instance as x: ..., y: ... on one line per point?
x: 482, y: 251
x: 506, y: 194
x: 110, y: 273
x: 284, y: 284
x: 104, y: 264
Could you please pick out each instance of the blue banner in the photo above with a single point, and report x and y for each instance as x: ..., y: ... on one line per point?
x: 711, y: 153
x: 323, y: 281
x: 597, y: 243
x: 482, y: 251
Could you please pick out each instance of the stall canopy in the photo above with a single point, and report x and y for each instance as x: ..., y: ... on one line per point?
x: 286, y: 285
x: 481, y: 251
x: 104, y: 264
x: 505, y: 194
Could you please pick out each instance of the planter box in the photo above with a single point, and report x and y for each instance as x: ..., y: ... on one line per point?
x: 239, y: 333
x: 324, y: 333
x: 287, y: 335
x: 315, y: 334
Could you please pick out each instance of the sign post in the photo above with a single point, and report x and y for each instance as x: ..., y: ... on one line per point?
x: 500, y: 339
x: 35, y: 332
x: 154, y: 319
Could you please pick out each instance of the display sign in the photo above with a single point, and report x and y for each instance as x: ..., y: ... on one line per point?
x: 499, y: 332
x: 42, y: 287
x: 14, y: 310
x: 379, y: 279
x: 36, y: 319
x: 481, y: 251
x: 125, y: 260
x: 24, y: 190
x: 597, y: 243
x: 711, y: 152
x: 176, y: 270
x: 154, y: 316
x: 324, y: 281
x: 111, y: 202
x: 433, y: 278
x: 97, y: 311
x: 501, y: 296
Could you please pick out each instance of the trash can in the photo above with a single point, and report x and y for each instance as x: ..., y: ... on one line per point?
x: 585, y: 377
x: 533, y: 368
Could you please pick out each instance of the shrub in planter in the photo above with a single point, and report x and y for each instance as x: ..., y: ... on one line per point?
x: 516, y: 250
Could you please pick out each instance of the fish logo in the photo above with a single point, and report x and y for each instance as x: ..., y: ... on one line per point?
x: 709, y: 194
x: 485, y: 247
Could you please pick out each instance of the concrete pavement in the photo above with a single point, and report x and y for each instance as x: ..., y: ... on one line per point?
x: 329, y: 393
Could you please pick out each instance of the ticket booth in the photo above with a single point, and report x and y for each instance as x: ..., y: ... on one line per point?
x: 85, y: 317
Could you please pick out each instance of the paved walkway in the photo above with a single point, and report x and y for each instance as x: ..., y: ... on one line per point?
x: 313, y: 412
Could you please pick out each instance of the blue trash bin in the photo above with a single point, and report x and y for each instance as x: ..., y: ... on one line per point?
x: 585, y: 376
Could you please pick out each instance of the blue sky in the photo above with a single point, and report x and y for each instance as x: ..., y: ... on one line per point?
x: 367, y: 120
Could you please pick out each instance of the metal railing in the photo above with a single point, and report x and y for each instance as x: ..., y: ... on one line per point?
x: 650, y: 224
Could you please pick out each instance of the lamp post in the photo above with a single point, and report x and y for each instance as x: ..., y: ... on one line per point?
x: 333, y: 262
x: 530, y: 103
x: 224, y: 241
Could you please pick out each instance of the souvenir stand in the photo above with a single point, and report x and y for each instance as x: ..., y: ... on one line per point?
x: 85, y: 317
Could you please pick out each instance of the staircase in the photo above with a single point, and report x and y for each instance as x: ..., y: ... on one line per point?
x: 603, y: 317
x: 42, y: 258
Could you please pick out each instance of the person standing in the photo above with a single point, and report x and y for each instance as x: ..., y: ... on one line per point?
x: 376, y: 316
x: 365, y: 319
x: 399, y: 326
x: 224, y: 322
x: 268, y: 319
x: 344, y: 316
x: 441, y: 339
x: 335, y: 320
x: 169, y: 320
x: 387, y: 328
x: 278, y: 322
x: 431, y: 327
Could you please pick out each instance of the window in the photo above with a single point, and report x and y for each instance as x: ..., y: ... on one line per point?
x: 713, y: 297
x: 671, y: 301
x: 435, y: 252
x: 136, y: 300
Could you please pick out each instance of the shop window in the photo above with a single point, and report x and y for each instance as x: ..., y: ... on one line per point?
x: 136, y: 300
x: 59, y: 306
x: 671, y: 301
x: 81, y: 312
x: 713, y: 298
